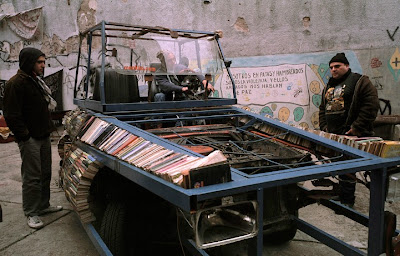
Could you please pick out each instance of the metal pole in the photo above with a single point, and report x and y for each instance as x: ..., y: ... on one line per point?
x: 376, y: 212
x: 256, y: 244
x: 77, y: 66
x: 227, y: 68
x: 103, y: 60
x: 89, y: 42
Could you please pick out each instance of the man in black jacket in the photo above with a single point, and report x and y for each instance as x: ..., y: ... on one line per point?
x: 349, y: 106
x: 27, y: 104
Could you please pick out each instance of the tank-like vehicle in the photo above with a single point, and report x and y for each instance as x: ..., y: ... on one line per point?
x: 251, y: 195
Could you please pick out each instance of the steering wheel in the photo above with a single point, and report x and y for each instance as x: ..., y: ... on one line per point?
x: 195, y: 87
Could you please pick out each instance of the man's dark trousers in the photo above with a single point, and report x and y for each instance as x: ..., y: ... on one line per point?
x: 36, y: 174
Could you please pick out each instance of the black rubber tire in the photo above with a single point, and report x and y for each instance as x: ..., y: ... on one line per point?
x: 282, y: 236
x: 113, y: 228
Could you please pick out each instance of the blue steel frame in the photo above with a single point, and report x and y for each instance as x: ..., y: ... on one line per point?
x: 102, y: 106
x: 186, y: 198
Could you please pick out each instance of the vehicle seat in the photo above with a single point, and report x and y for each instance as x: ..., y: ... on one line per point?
x: 153, y: 88
x: 118, y: 88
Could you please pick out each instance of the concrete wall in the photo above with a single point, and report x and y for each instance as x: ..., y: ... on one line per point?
x: 284, y: 87
x: 251, y: 28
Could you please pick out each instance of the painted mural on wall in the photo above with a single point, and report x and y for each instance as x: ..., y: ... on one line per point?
x: 378, y: 67
x: 25, y: 24
x: 394, y: 64
x: 290, y: 93
x: 383, y: 68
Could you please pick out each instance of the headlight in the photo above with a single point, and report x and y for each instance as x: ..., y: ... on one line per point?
x: 225, y: 224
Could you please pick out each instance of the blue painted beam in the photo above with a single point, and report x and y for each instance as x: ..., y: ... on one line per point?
x: 256, y: 244
x: 98, y: 243
x: 376, y: 227
x: 130, y: 114
x: 184, y: 118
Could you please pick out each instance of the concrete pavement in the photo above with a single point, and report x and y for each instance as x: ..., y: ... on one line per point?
x: 63, y: 233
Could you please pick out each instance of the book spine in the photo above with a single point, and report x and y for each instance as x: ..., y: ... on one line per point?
x: 124, y: 136
x: 148, y: 156
x: 157, y: 158
x: 111, y: 139
x: 138, y: 149
x: 144, y: 153
x: 85, y: 126
x: 91, y: 130
x: 133, y: 150
x: 131, y: 137
x: 128, y: 148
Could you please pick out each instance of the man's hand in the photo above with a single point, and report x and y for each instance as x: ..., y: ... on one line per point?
x: 353, y: 132
x: 184, y: 89
x: 186, y: 70
x: 210, y: 87
x: 349, y: 132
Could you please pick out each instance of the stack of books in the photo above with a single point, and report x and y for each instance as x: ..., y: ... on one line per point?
x: 389, y: 149
x: 73, y: 121
x: 78, y: 172
x: 151, y: 157
x: 373, y: 145
x: 283, y: 135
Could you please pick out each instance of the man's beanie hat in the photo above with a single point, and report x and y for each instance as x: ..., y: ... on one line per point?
x: 339, y: 57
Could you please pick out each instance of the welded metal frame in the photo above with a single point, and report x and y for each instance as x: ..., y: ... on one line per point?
x: 241, y: 182
x: 102, y: 107
x: 186, y: 199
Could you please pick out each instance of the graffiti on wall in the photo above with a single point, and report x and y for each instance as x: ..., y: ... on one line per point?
x: 54, y: 82
x: 377, y: 77
x: 394, y: 64
x: 2, y: 85
x: 287, y: 88
x: 289, y: 93
x: 390, y: 34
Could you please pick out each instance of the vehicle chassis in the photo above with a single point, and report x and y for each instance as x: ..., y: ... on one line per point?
x: 241, y: 182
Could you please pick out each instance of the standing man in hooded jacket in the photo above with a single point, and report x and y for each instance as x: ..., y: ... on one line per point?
x: 27, y: 104
x: 349, y: 106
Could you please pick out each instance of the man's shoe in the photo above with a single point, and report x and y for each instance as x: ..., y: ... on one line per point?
x: 35, y: 222
x: 51, y: 209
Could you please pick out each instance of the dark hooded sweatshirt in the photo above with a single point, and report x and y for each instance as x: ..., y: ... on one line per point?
x: 25, y: 107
